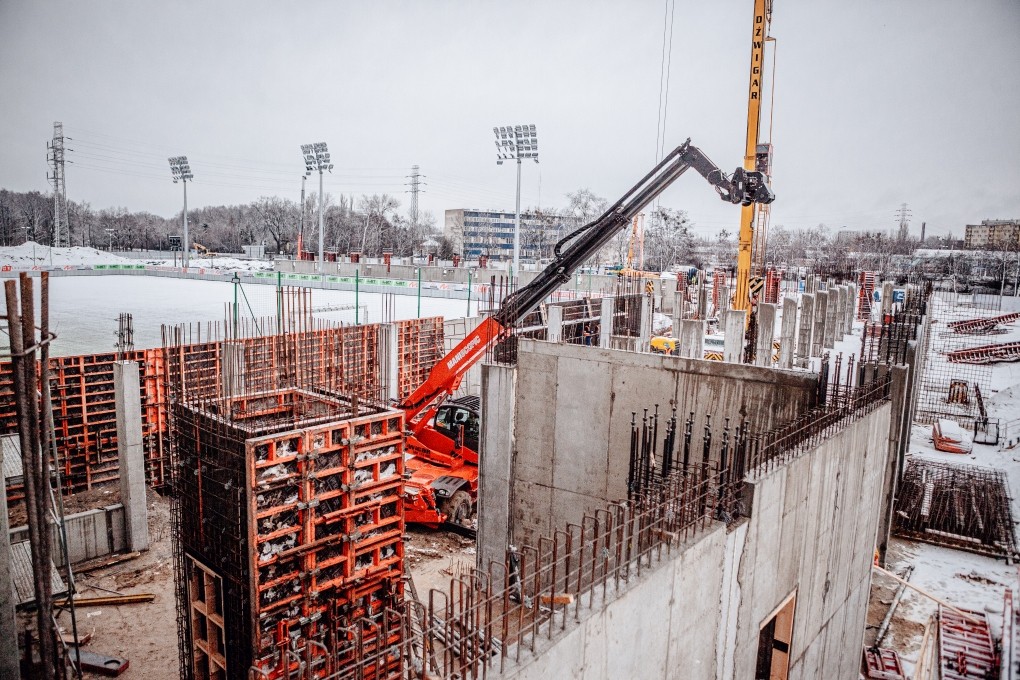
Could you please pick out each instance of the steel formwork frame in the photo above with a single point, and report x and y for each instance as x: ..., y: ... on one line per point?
x: 293, y: 499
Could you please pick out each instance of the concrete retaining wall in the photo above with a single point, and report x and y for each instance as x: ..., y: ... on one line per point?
x: 90, y: 534
x: 697, y: 616
x: 570, y: 425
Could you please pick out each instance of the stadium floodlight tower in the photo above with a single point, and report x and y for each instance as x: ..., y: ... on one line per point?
x: 182, y: 173
x: 516, y: 143
x: 317, y: 158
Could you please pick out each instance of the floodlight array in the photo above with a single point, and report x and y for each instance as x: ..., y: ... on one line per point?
x: 516, y: 142
x: 316, y: 157
x: 180, y: 168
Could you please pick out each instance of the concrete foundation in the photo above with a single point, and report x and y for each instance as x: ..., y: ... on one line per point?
x: 90, y: 534
x: 766, y: 334
x: 733, y: 347
x: 788, y: 333
x: 130, y: 454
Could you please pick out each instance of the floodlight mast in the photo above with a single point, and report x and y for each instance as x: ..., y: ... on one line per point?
x: 317, y: 158
x: 516, y: 143
x: 181, y: 171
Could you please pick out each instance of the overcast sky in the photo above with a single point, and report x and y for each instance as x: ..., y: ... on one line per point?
x: 877, y: 102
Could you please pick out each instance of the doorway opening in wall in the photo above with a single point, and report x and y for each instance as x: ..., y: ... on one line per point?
x: 774, y: 641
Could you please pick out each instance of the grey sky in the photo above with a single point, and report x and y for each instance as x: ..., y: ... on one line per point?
x: 876, y: 103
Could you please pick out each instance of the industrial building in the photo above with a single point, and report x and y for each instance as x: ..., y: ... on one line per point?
x: 490, y: 234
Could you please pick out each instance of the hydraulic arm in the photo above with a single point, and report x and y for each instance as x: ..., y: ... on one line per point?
x: 743, y: 187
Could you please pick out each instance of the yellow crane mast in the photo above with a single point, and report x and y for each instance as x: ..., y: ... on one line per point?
x: 756, y: 157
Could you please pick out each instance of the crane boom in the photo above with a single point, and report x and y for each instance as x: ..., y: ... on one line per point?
x: 743, y: 187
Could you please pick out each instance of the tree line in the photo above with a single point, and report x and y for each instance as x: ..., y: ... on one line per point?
x: 366, y: 224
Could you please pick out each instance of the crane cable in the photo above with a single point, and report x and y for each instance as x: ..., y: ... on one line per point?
x: 664, y: 68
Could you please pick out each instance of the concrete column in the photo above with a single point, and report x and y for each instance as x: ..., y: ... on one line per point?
x: 766, y: 333
x: 130, y: 453
x: 703, y: 298
x: 733, y: 344
x: 692, y: 338
x: 805, y: 334
x: 900, y: 398
x: 495, y: 463
x: 811, y: 285
x: 645, y: 330
x: 818, y: 332
x: 842, y: 328
x: 389, y: 363
x: 886, y: 297
x: 831, y: 311
x: 554, y: 331
x: 8, y: 629
x: 852, y: 307
x: 606, y: 322
x: 788, y: 333
x: 232, y: 366
x: 724, y: 301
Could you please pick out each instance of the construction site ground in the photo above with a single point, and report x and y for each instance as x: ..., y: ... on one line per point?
x: 146, y: 634
x: 966, y: 580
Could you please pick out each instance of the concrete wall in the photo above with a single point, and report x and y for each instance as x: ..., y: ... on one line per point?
x: 570, y: 423
x: 90, y: 534
x: 697, y: 615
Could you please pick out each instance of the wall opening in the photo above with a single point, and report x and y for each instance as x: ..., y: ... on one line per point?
x: 774, y: 642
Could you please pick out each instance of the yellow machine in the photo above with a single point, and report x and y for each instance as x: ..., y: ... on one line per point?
x: 663, y: 345
x: 202, y: 249
x: 757, y: 156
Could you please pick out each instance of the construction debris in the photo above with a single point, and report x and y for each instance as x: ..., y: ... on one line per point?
x: 981, y: 326
x: 986, y: 354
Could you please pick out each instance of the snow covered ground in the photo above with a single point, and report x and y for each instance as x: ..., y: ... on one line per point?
x: 228, y: 263
x: 84, y: 310
x: 963, y: 579
x: 32, y: 254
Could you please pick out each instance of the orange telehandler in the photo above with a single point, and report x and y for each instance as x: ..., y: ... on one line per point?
x: 442, y: 442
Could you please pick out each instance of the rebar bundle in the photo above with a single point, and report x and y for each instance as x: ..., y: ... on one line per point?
x: 962, y: 506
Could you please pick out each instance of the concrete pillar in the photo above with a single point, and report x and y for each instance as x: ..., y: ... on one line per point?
x: 806, y: 330
x: 555, y: 324
x: 232, y: 366
x: 496, y: 445
x: 818, y: 332
x: 8, y: 629
x: 900, y: 398
x: 724, y: 301
x: 389, y: 363
x: 703, y: 298
x: 606, y: 322
x: 692, y: 338
x: 811, y: 285
x: 676, y: 316
x: 645, y: 329
x: 831, y: 310
x: 131, y: 455
x: 766, y: 334
x: 733, y: 344
x: 788, y: 333
x: 886, y: 297
x: 851, y: 311
x: 841, y: 327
